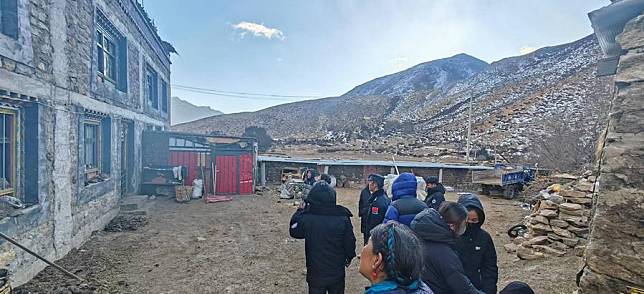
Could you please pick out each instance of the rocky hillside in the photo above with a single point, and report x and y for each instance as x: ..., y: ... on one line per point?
x: 429, y: 76
x: 517, y: 103
x: 183, y: 111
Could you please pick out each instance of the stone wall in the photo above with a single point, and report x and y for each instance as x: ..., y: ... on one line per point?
x: 613, y: 258
x: 51, y: 68
x: 357, y: 174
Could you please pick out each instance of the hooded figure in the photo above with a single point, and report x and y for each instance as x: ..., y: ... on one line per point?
x: 476, y: 247
x: 405, y: 205
x: 329, y: 241
x: 435, y: 193
x: 376, y: 205
x: 309, y: 176
x: 442, y: 269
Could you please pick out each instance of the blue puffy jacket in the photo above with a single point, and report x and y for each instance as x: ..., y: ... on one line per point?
x: 405, y: 205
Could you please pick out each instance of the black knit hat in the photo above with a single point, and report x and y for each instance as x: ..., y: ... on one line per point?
x: 380, y: 180
x: 432, y: 180
x: 321, y: 195
x: 517, y: 287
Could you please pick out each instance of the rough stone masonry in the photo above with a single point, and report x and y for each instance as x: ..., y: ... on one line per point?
x: 79, y: 82
x: 613, y: 258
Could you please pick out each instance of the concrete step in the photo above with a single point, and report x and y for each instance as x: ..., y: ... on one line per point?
x: 135, y: 205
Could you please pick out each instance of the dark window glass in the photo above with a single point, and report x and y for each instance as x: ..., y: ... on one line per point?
x: 91, y: 145
x: 7, y: 151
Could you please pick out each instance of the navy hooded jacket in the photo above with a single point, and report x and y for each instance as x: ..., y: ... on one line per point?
x: 476, y: 249
x: 405, y: 205
x: 442, y: 268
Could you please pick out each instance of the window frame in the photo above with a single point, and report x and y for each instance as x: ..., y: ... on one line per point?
x: 97, y: 148
x: 14, y: 156
x: 153, y: 89
x: 103, y: 55
x: 4, y: 18
x: 164, y: 96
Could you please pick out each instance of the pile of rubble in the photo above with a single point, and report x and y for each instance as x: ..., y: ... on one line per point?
x: 558, y: 222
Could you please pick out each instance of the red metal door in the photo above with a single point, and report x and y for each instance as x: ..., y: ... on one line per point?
x: 227, y: 174
x: 246, y: 174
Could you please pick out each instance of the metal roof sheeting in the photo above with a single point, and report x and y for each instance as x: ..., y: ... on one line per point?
x: 352, y: 162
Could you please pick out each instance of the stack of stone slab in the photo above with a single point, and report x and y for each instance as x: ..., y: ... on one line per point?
x: 559, y: 221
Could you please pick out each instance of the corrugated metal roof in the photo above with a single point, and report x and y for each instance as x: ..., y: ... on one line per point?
x: 352, y: 162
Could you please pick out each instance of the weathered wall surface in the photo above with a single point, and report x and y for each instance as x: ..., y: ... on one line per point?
x: 454, y: 177
x: 48, y: 78
x: 615, y: 250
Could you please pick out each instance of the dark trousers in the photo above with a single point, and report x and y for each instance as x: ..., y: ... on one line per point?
x: 335, y: 288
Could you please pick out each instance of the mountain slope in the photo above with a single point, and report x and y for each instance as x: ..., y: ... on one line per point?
x: 516, y: 102
x: 428, y: 76
x: 183, y: 111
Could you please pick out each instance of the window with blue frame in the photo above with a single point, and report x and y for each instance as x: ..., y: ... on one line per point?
x: 7, y: 151
x: 9, y: 18
x: 111, y: 57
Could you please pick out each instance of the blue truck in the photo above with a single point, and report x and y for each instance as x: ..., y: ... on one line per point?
x: 504, y: 180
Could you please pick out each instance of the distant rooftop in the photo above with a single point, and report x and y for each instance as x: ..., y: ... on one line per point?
x: 352, y: 162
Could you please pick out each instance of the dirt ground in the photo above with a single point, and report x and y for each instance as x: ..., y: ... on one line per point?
x: 243, y: 246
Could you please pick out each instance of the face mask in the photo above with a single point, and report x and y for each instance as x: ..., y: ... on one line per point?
x: 473, y: 226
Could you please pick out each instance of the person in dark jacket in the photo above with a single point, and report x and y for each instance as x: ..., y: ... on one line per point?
x: 330, y: 244
x: 476, y: 247
x: 377, y: 204
x: 405, y: 205
x: 363, y: 205
x: 438, y: 230
x: 435, y: 193
x: 392, y: 261
x: 309, y: 177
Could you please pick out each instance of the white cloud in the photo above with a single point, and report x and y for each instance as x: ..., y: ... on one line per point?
x: 259, y: 30
x: 526, y: 49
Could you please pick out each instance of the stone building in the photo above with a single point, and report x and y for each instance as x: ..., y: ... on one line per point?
x: 613, y: 257
x: 79, y: 82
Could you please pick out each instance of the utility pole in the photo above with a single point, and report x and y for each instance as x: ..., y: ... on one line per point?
x: 469, y: 130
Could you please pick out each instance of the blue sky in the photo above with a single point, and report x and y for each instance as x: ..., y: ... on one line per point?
x: 325, y: 48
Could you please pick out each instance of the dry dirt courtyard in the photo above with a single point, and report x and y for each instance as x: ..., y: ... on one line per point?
x: 243, y: 246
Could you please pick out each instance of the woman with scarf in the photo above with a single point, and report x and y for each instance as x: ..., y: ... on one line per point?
x: 392, y: 261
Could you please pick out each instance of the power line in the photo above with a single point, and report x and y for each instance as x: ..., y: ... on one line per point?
x: 243, y: 95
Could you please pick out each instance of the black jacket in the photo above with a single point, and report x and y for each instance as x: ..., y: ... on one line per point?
x: 435, y: 196
x: 363, y: 205
x: 442, y: 269
x: 477, y: 251
x: 329, y: 242
x: 377, y: 205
